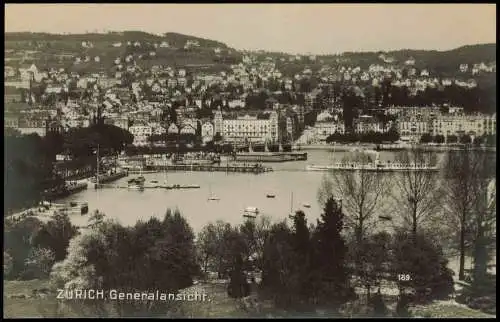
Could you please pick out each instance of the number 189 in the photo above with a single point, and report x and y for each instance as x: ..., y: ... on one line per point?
x: 404, y: 277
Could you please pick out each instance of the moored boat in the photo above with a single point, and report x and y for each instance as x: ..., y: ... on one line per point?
x: 385, y: 166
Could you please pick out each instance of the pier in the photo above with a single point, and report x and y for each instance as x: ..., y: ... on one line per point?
x: 253, y: 168
x: 270, y: 156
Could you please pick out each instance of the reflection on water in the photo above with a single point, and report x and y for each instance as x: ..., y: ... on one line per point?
x: 235, y: 190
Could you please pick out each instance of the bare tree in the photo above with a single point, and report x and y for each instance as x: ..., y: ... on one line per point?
x: 484, y: 223
x: 255, y: 233
x: 462, y: 192
x: 362, y: 193
x: 416, y: 192
x: 325, y: 190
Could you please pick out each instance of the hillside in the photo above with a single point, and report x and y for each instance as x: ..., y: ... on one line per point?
x: 58, y: 49
x: 175, y: 39
x: 442, y: 62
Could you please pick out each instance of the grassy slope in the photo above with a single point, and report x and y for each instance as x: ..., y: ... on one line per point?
x: 219, y: 305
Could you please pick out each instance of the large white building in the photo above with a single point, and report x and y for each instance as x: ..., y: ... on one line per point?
x: 247, y: 128
x: 413, y: 127
x: 367, y: 123
x: 474, y: 125
x: 323, y: 129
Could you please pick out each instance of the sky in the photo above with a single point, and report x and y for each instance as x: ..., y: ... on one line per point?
x: 291, y: 28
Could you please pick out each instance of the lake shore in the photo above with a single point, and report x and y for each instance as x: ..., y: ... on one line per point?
x: 388, y: 147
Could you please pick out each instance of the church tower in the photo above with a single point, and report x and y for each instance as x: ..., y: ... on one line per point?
x: 218, y: 122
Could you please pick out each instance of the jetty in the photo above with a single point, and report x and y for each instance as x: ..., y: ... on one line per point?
x: 167, y: 187
x: 109, y: 177
x: 270, y: 156
x: 243, y: 168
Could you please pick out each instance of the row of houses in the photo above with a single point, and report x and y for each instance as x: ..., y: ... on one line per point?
x: 412, y: 127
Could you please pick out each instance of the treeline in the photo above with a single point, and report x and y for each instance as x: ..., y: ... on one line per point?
x: 29, y: 159
x: 27, y: 168
x: 32, y: 247
x: 488, y: 140
x: 369, y: 137
x: 307, y: 265
x: 151, y: 255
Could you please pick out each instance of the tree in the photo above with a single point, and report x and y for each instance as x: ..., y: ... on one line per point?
x: 463, y: 190
x: 370, y: 260
x: 18, y: 240
x: 484, y: 222
x: 238, y: 286
x: 278, y: 264
x: 417, y: 193
x: 255, y: 233
x: 393, y: 134
x: 362, y: 194
x: 156, y: 254
x: 301, y: 245
x: 465, y: 139
x: 379, y: 307
x: 329, y: 271
x: 56, y: 234
x: 419, y: 264
x: 28, y: 171
x: 39, y: 263
x: 207, y: 245
x: 439, y: 139
x: 8, y: 263
x: 426, y: 138
x: 325, y: 190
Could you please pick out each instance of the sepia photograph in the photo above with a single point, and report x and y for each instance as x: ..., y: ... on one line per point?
x: 249, y: 160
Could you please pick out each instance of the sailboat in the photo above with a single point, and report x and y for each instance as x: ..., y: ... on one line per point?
x: 137, y: 183
x: 291, y: 215
x: 211, y: 196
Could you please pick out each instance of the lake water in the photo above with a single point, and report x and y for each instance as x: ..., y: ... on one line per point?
x: 235, y: 190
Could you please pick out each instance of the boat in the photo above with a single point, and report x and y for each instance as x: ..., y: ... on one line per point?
x: 250, y: 212
x: 306, y: 205
x: 191, y: 186
x: 136, y: 184
x: 84, y: 208
x: 376, y: 165
x: 72, y: 207
x: 211, y: 196
x: 270, y: 195
x: 383, y: 166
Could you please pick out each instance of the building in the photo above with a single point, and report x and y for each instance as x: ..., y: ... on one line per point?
x: 141, y: 134
x: 188, y: 129
x: 324, y: 129
x: 31, y: 124
x: 366, y: 123
x: 11, y: 120
x: 413, y: 127
x: 207, y: 132
x: 248, y: 128
x: 474, y: 125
